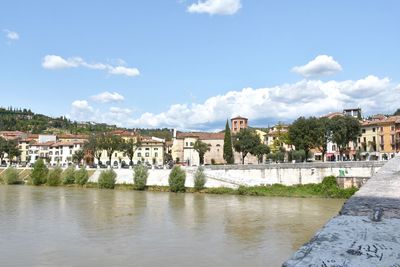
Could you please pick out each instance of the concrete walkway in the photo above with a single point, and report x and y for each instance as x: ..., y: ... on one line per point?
x: 367, y: 230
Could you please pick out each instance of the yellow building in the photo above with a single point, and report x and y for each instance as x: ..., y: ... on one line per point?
x: 277, y: 137
x: 379, y: 138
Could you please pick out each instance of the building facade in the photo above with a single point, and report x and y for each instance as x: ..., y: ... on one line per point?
x: 238, y: 123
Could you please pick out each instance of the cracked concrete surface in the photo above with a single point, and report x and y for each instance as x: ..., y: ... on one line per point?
x: 367, y: 230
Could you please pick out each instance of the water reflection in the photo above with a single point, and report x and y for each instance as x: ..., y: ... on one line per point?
x: 90, y: 227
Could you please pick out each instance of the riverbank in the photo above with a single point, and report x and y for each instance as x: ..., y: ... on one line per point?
x: 327, y: 189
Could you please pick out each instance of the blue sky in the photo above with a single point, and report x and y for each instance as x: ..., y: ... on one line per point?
x: 192, y: 64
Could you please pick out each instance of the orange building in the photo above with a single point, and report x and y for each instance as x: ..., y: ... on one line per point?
x: 238, y: 123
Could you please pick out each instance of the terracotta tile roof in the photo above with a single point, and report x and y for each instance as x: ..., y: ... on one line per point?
x: 201, y: 135
x: 124, y: 133
x: 56, y: 144
x: 239, y: 118
x: 380, y: 119
x: 49, y: 143
x: 332, y: 115
x: 72, y: 136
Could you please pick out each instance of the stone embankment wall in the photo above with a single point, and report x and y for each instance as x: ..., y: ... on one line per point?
x: 367, y: 230
x: 348, y: 173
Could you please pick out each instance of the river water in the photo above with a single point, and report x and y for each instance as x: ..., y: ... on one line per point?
x: 41, y: 226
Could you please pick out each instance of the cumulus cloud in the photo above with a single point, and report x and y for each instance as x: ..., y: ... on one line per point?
x: 53, y: 62
x: 106, y: 97
x: 319, y: 66
x: 284, y: 102
x: 215, y: 7
x: 81, y: 105
x: 11, y: 35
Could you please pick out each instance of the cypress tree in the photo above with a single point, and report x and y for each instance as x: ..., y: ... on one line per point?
x: 228, y: 151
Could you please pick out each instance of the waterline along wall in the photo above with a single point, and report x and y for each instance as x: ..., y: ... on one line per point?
x: 348, y: 173
x: 367, y: 230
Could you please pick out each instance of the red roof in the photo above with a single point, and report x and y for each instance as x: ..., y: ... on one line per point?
x: 239, y: 118
x: 201, y: 135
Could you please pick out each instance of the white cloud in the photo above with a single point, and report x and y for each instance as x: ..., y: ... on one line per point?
x: 56, y: 62
x: 53, y: 62
x: 106, y: 97
x: 216, y: 7
x: 285, y: 102
x: 321, y: 65
x: 11, y: 35
x: 81, y: 105
x: 279, y: 103
x: 120, y: 70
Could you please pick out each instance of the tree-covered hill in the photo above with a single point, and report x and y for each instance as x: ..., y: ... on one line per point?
x: 12, y: 119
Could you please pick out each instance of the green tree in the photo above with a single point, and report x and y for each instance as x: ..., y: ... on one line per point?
x: 199, y: 179
x: 11, y: 176
x: 78, y: 156
x: 303, y: 134
x: 3, y: 148
x: 112, y: 143
x: 68, y: 175
x: 140, y: 175
x: 245, y: 142
x: 202, y: 149
x: 228, y: 149
x: 39, y: 173
x: 176, y: 180
x: 281, y: 137
x: 130, y: 146
x: 323, y: 135
x: 93, y: 147
x: 54, y: 177
x: 107, y: 179
x: 345, y: 129
x: 261, y: 150
x: 81, y: 176
x: 397, y: 112
x: 12, y: 150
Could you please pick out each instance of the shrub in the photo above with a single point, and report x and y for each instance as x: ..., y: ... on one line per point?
x: 199, y: 179
x: 81, y: 176
x: 11, y: 176
x: 107, y: 179
x: 68, y: 176
x: 140, y: 174
x: 177, y: 179
x: 54, y: 177
x: 39, y: 173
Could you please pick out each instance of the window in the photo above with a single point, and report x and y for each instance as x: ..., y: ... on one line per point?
x: 156, y: 155
x: 139, y: 154
x: 373, y: 129
x: 147, y: 154
x: 187, y: 144
x: 147, y: 149
x: 191, y: 143
x: 392, y: 128
x: 155, y: 148
x: 115, y: 155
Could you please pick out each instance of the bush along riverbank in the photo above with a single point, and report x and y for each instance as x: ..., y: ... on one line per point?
x: 71, y: 177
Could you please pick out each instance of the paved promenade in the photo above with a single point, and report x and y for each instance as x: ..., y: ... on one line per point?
x: 367, y: 230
